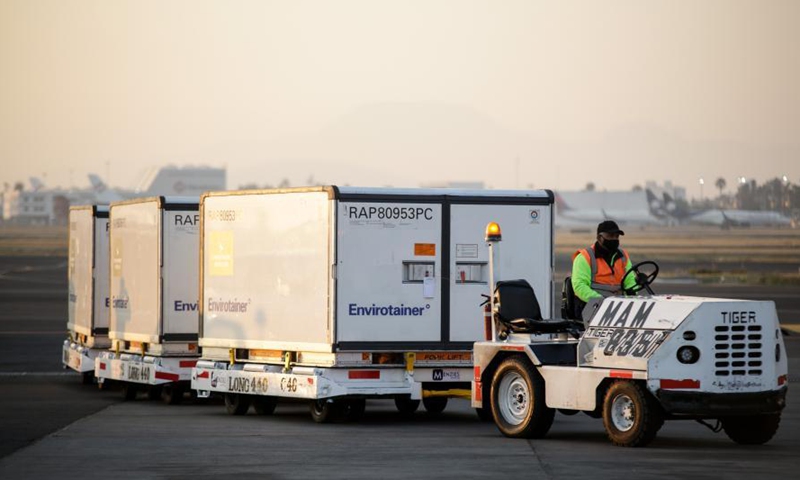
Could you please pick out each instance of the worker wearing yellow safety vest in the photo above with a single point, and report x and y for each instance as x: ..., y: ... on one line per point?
x: 598, y: 270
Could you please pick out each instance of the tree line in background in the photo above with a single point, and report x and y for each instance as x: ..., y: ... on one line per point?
x: 778, y: 195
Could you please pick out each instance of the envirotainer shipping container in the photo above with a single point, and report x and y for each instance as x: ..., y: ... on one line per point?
x: 87, y: 275
x: 153, y: 275
x: 358, y: 277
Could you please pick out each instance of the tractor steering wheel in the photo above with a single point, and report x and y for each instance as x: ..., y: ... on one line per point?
x: 643, y: 281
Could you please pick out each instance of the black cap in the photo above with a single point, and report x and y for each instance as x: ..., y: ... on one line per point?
x: 609, y: 226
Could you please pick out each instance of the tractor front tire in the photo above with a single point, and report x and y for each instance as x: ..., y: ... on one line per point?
x: 631, y: 416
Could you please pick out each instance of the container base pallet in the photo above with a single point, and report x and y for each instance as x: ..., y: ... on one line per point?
x: 80, y: 358
x: 324, y: 386
x: 144, y: 370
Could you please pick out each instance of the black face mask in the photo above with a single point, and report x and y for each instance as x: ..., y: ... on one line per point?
x: 611, y: 245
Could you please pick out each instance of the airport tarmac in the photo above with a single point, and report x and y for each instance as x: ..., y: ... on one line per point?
x: 54, y: 426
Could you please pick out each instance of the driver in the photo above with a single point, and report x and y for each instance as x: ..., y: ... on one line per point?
x: 597, y: 271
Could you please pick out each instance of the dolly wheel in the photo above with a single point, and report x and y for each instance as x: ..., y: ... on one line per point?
x: 87, y: 378
x: 405, y: 405
x: 518, y: 402
x: 434, y: 405
x: 236, y: 403
x: 265, y: 405
x: 753, y: 429
x: 353, y: 409
x: 632, y: 417
x: 129, y: 391
x: 154, y: 392
x: 325, y: 410
x: 172, y: 393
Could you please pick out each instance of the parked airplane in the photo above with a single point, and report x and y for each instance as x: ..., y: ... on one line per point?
x: 587, y: 209
x: 104, y: 195
x: 730, y: 218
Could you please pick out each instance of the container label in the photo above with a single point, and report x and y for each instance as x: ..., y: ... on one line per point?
x: 220, y: 253
x: 116, y: 257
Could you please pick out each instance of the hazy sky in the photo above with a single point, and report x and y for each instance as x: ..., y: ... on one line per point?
x: 402, y: 92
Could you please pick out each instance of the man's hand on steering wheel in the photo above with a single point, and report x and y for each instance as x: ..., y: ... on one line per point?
x: 643, y: 281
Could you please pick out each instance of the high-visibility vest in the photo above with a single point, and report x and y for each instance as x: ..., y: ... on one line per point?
x: 605, y: 279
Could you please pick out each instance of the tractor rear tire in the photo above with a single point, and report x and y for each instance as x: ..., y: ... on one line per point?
x: 518, y: 401
x: 631, y: 416
x: 753, y: 429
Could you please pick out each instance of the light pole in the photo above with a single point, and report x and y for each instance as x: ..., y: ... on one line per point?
x: 702, y: 182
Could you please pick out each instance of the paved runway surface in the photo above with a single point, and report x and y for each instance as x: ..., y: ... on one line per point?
x: 52, y: 426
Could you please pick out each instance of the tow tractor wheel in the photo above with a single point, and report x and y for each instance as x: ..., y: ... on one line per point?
x: 265, y: 405
x: 325, y: 410
x: 87, y: 378
x: 236, y: 403
x: 631, y: 416
x: 172, y: 393
x: 405, y: 405
x: 434, y: 405
x: 753, y: 429
x: 518, y: 402
x: 129, y: 391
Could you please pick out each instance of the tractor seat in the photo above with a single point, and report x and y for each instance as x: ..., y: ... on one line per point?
x: 519, y: 310
x: 571, y: 305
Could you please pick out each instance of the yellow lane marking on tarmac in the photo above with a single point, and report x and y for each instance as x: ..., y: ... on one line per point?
x: 792, y: 327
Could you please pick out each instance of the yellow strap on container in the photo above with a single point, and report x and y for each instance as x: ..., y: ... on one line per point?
x: 453, y: 392
x: 232, y: 353
x: 410, y: 357
x: 287, y: 361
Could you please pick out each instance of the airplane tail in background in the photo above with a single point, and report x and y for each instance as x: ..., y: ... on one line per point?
x: 97, y: 184
x: 669, y: 202
x: 36, y: 184
x: 561, y: 205
x: 656, y: 205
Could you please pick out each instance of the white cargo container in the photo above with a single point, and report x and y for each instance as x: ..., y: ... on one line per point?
x: 347, y: 293
x: 153, y: 274
x: 88, y: 302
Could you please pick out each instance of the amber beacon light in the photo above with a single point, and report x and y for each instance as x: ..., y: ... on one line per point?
x: 493, y: 233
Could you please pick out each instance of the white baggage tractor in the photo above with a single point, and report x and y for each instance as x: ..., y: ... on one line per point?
x: 153, y: 294
x: 340, y: 294
x: 88, y: 302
